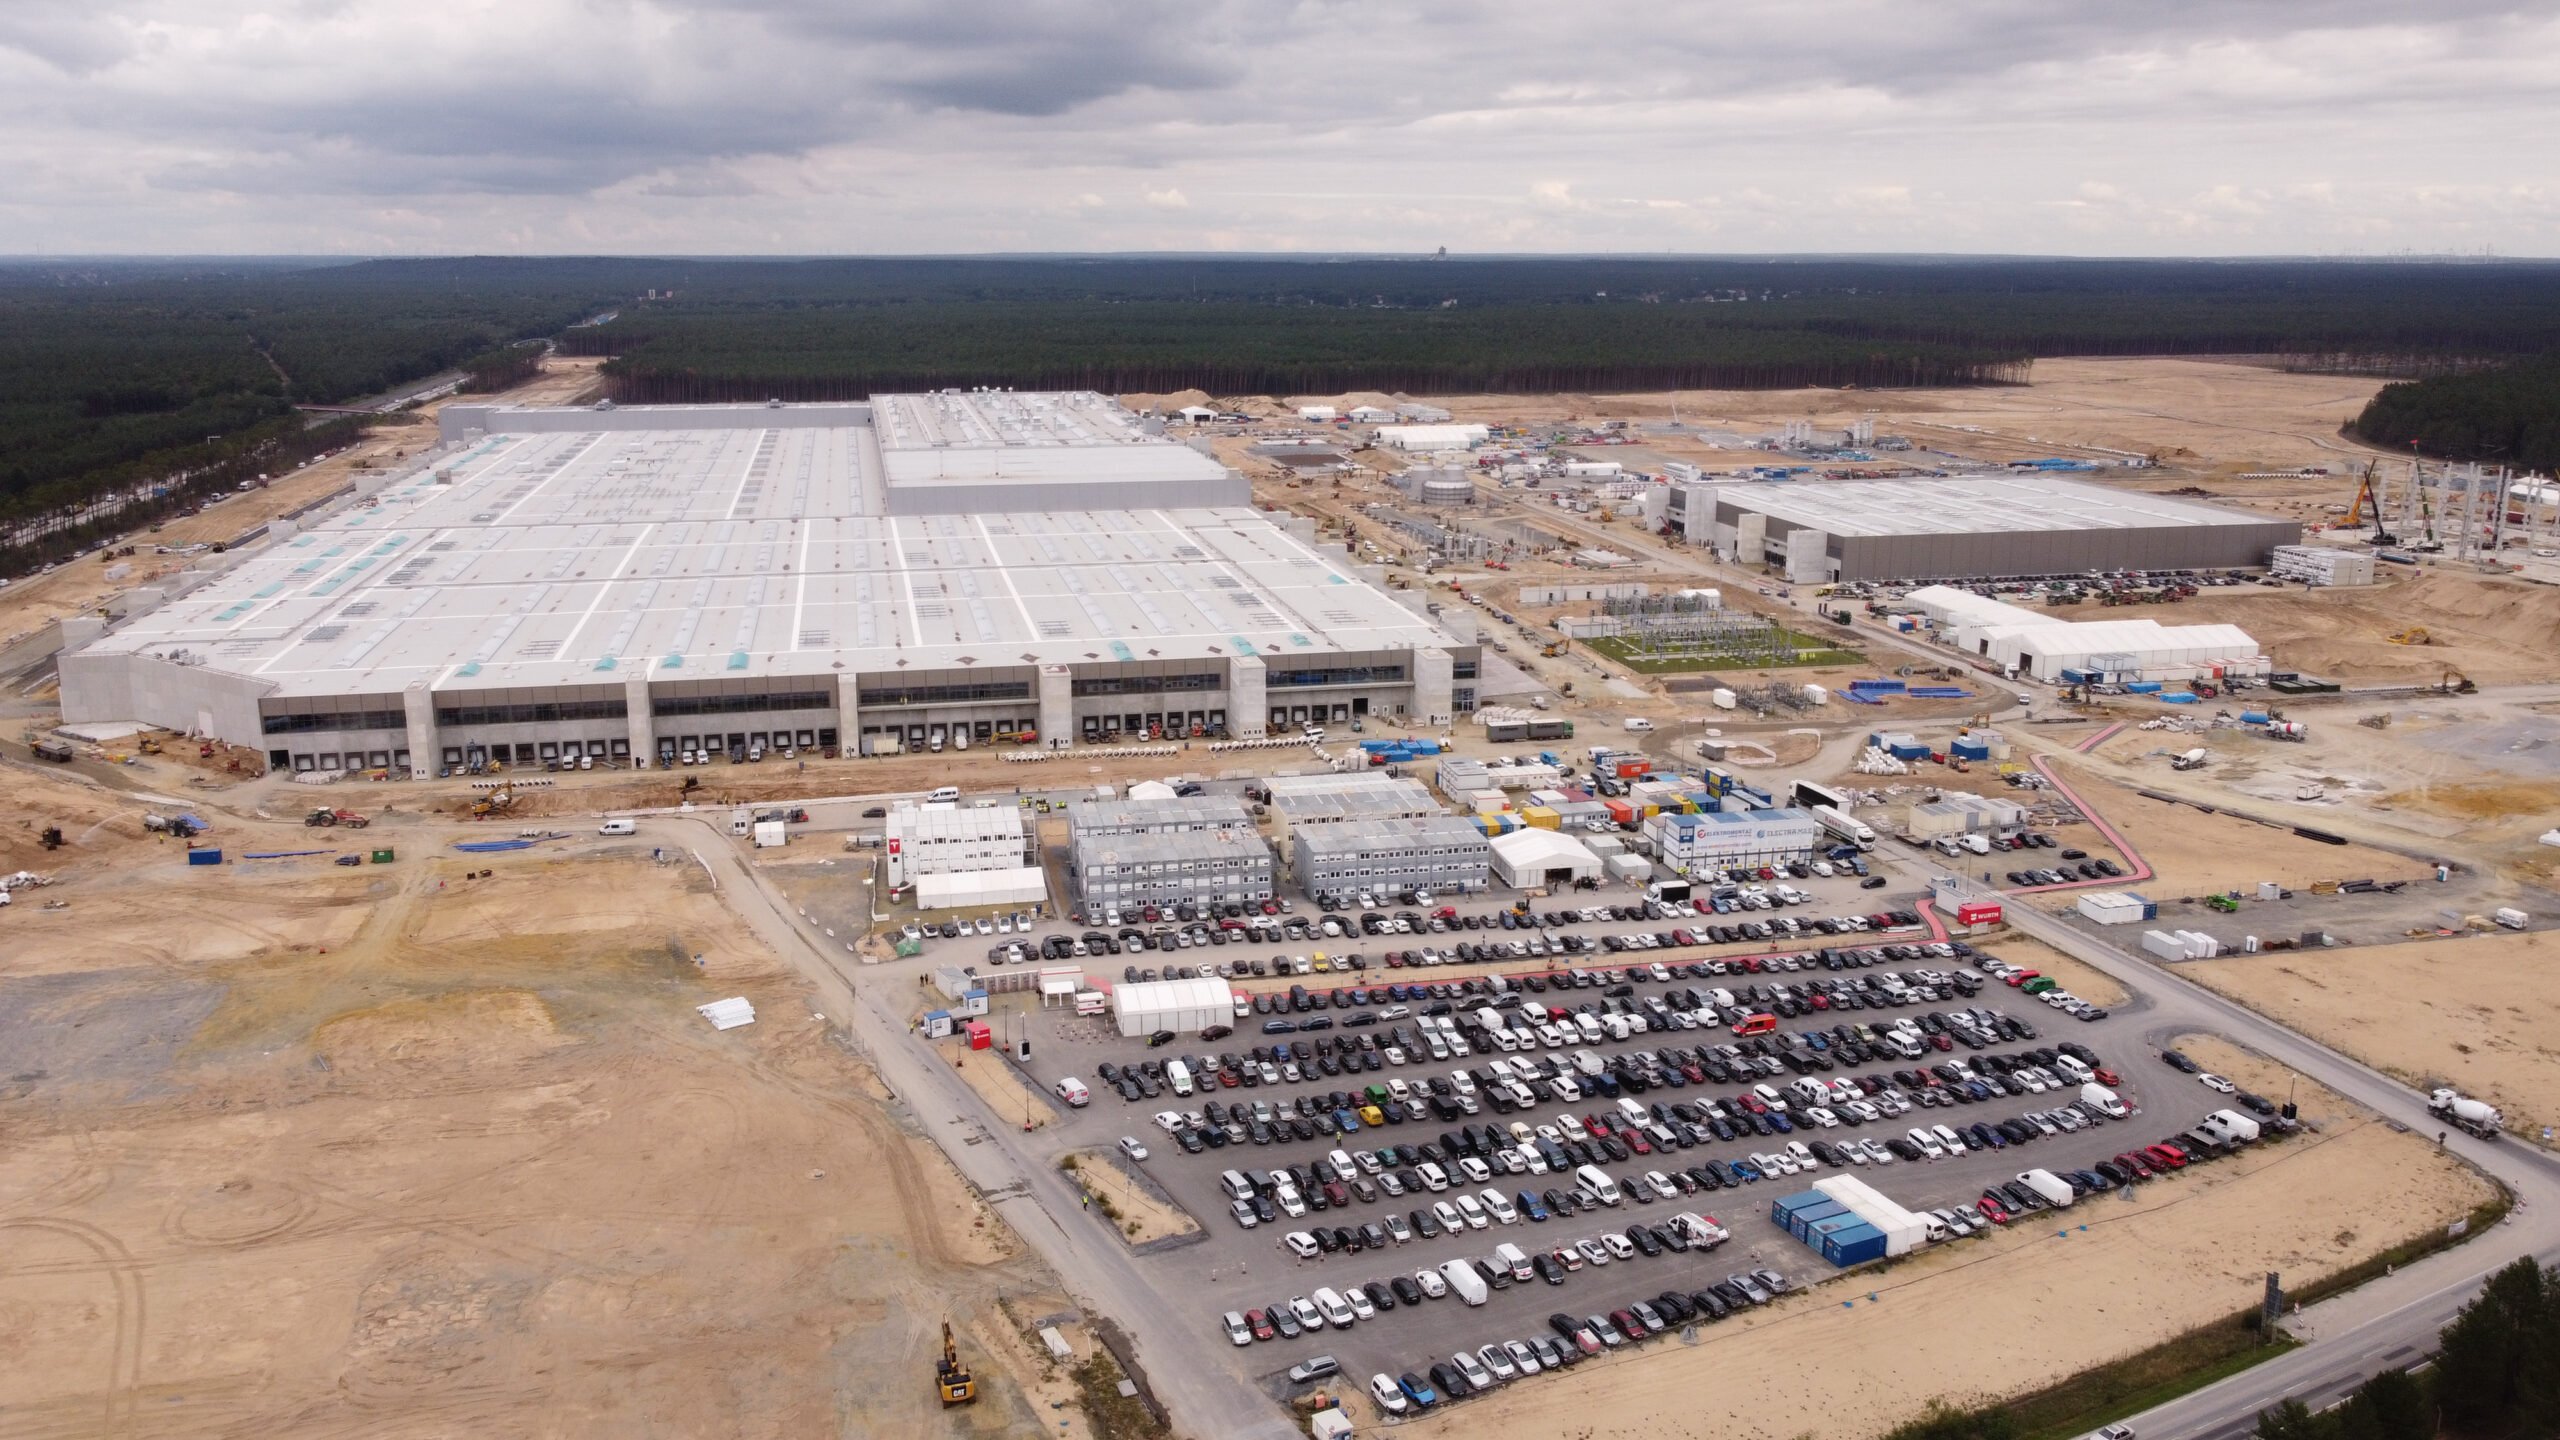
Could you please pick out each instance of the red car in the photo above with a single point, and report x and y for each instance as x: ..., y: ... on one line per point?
x: 2165, y: 1157
x: 2107, y: 1077
x: 1636, y: 1141
x: 1260, y: 1323
x: 2021, y: 977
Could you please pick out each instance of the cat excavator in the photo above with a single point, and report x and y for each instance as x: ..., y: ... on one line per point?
x: 951, y: 1379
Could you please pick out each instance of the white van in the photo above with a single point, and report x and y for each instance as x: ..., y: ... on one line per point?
x: 1178, y: 1076
x: 1513, y: 1259
x: 1073, y: 1092
x: 946, y: 795
x: 1637, y: 724
x: 619, y: 827
x: 1597, y: 1181
x: 1336, y: 1310
x: 1434, y: 1179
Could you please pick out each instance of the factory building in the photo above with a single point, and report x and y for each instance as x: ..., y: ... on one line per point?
x: 1972, y: 527
x: 2031, y: 643
x: 1439, y: 853
x: 643, y: 585
x: 1172, y: 867
x: 1714, y: 840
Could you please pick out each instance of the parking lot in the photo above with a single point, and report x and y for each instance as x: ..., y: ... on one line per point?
x: 1232, y: 1268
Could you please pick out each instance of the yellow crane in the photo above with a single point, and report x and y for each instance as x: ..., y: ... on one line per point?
x: 951, y: 1378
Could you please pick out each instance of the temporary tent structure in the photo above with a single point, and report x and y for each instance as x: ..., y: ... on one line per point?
x: 1150, y: 1005
x: 1534, y: 859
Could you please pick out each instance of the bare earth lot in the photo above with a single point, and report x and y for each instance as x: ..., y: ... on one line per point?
x: 2181, y: 1253
x: 2479, y: 1013
x: 306, y: 1151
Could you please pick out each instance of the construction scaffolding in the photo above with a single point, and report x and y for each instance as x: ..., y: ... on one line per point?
x: 1684, y: 627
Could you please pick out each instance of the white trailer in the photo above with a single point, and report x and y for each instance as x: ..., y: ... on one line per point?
x: 1840, y: 824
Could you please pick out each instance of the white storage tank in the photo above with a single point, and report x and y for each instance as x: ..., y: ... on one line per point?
x: 1445, y: 490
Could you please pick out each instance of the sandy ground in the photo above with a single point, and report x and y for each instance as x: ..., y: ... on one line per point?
x: 2478, y: 1013
x: 2193, y: 853
x: 2125, y: 1274
x: 304, y: 1150
x: 1143, y: 1214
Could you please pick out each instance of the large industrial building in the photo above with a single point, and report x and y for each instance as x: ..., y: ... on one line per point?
x: 1974, y: 527
x: 636, y: 584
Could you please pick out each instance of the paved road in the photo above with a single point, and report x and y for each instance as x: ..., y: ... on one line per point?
x: 1179, y: 1357
x: 2389, y: 1323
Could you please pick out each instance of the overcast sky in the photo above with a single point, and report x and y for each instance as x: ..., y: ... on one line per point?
x: 2168, y: 127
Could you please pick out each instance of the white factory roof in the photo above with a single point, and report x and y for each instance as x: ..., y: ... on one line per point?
x: 1975, y: 619
x: 566, y: 556
x: 1979, y: 504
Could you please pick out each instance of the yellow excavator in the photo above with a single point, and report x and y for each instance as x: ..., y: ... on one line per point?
x: 951, y: 1378
x: 2414, y: 635
x: 493, y: 803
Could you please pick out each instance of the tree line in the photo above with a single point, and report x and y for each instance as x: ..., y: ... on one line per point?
x: 2509, y: 415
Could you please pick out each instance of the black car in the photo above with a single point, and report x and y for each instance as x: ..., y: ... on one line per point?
x: 1379, y: 1295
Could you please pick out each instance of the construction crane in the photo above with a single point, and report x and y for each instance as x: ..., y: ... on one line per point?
x: 951, y: 1379
x: 2366, y: 494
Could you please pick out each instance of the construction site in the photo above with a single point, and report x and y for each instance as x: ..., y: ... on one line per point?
x: 450, y: 1103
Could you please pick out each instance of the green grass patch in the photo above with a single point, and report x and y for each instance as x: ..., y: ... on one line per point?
x: 2155, y: 1376
x: 1792, y: 648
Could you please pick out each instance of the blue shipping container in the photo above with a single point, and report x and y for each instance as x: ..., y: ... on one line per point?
x: 204, y: 857
x: 1802, y: 1223
x: 1785, y: 1206
x: 1852, y: 1245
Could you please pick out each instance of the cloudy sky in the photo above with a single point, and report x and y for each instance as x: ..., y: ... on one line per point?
x: 913, y: 126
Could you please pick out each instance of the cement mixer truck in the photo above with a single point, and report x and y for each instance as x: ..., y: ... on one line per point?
x: 2476, y: 1116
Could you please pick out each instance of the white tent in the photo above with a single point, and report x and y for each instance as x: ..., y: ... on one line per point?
x: 1151, y: 790
x: 1536, y: 859
x: 1150, y: 1005
x: 1021, y: 885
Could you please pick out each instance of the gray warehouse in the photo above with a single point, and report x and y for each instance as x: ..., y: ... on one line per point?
x: 1388, y: 857
x: 651, y: 585
x: 1974, y: 527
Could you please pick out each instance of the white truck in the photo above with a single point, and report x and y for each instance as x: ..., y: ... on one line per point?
x: 1462, y: 1278
x: 2511, y: 917
x: 1177, y: 1076
x: 2191, y: 760
x: 2055, y: 1191
x: 2477, y: 1117
x: 1838, y: 823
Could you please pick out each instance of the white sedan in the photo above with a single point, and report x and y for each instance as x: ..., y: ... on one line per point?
x: 2216, y: 1082
x: 1130, y: 1147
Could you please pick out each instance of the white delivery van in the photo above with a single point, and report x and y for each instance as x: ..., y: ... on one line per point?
x: 945, y: 795
x: 619, y: 827
x: 1178, y: 1076
x: 1637, y: 724
x: 1434, y: 1179
x: 1073, y: 1092
x: 1597, y: 1181
x: 1511, y: 1258
x: 1462, y: 1277
x: 1335, y: 1309
x: 2103, y: 1100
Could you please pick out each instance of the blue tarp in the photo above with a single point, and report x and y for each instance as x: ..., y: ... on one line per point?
x: 483, y: 847
x: 277, y: 854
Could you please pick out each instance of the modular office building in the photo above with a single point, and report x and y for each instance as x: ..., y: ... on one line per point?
x: 1175, y: 867
x: 1720, y: 839
x: 1441, y: 853
x: 1973, y: 527
x: 633, y: 584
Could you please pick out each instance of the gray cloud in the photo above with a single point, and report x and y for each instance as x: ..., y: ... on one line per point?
x: 911, y: 125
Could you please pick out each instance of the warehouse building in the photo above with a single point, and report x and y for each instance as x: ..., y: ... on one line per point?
x: 1439, y: 853
x: 1169, y: 868
x: 1970, y: 527
x: 983, y: 855
x: 1714, y: 840
x: 640, y: 585
x: 2047, y: 647
x: 1432, y: 437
